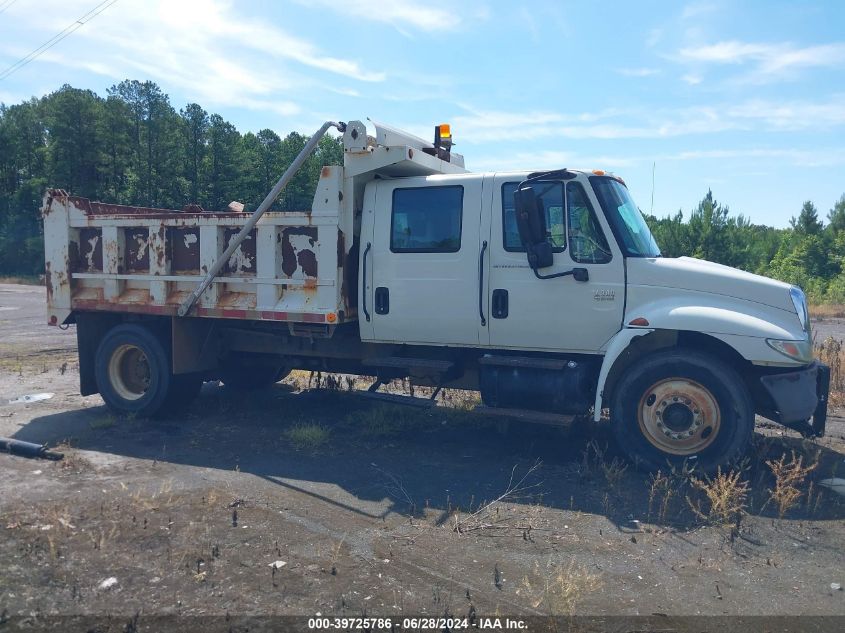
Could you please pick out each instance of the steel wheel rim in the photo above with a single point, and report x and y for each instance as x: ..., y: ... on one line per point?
x: 679, y: 416
x: 129, y: 372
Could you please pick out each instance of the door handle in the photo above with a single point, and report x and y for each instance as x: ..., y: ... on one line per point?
x: 382, y: 300
x: 500, y: 303
x: 364, y: 282
x: 481, y: 283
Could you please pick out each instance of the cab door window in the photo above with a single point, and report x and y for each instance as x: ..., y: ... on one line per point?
x: 587, y: 244
x: 550, y: 195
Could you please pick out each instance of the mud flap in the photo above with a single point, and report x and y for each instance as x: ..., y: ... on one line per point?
x: 817, y: 427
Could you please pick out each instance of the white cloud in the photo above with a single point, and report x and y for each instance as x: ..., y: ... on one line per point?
x: 692, y: 79
x: 422, y: 16
x: 205, y: 47
x: 769, y: 59
x: 550, y: 159
x: 697, y: 9
x: 478, y: 125
x: 821, y: 157
x: 792, y: 115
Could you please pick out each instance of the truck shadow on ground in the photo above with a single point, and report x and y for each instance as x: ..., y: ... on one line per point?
x: 373, y: 459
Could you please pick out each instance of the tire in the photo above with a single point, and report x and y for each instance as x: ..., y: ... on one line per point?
x: 682, y: 406
x: 132, y: 369
x: 251, y: 376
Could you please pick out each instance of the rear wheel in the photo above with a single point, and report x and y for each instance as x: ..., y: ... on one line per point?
x: 132, y: 369
x: 682, y: 406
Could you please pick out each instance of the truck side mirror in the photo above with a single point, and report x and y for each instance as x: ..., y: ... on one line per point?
x: 530, y: 222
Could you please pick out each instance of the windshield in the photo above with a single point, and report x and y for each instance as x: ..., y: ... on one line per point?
x: 635, y: 238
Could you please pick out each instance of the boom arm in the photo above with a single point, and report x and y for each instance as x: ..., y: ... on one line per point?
x: 186, y: 306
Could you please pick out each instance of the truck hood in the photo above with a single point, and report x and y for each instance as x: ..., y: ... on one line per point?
x: 688, y: 273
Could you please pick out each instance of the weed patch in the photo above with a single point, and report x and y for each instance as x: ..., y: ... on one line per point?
x: 307, y: 436
x: 789, y: 478
x: 725, y: 499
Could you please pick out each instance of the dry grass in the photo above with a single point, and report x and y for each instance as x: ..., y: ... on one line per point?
x: 661, y: 492
x: 790, y: 477
x: 387, y: 421
x: 827, y: 311
x: 559, y: 588
x: 494, y: 516
x: 832, y: 353
x: 594, y: 460
x: 725, y: 499
x: 27, y: 280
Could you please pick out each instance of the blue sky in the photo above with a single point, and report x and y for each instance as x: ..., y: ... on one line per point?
x: 746, y: 98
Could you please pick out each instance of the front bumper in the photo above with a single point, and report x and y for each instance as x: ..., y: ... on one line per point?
x: 800, y: 398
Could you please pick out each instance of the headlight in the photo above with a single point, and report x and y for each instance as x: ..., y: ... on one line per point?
x: 800, y: 303
x: 796, y: 350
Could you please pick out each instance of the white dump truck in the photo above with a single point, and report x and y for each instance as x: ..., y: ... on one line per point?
x: 545, y: 291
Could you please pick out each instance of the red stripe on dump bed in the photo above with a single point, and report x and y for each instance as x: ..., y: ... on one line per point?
x: 220, y: 313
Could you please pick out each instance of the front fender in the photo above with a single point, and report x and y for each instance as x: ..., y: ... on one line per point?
x: 618, y: 344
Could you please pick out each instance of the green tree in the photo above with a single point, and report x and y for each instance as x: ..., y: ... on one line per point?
x: 195, y: 127
x: 222, y: 164
x: 73, y: 154
x: 708, y: 226
x: 808, y: 222
x: 157, y: 152
x: 115, y: 150
x: 836, y: 216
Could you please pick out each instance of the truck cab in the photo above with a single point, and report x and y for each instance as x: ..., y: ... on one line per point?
x: 567, y: 294
x: 545, y: 291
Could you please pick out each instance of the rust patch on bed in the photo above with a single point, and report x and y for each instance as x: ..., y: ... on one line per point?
x: 299, y: 244
x: 185, y: 247
x: 137, y: 249
x: 90, y: 253
x: 243, y: 260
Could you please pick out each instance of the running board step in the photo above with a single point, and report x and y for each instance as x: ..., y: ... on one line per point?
x: 526, y: 415
x: 524, y: 362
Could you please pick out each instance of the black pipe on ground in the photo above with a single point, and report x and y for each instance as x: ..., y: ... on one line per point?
x: 28, y: 449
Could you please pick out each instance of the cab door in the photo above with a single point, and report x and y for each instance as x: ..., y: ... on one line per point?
x: 559, y: 314
x: 424, y: 261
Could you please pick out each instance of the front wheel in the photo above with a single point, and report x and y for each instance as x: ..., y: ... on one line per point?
x: 682, y: 406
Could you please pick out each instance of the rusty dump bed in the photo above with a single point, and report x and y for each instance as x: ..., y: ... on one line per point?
x: 105, y: 257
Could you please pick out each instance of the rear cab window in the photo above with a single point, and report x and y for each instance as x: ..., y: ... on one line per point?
x: 426, y: 219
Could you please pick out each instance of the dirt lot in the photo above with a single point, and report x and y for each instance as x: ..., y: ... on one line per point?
x: 382, y: 510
